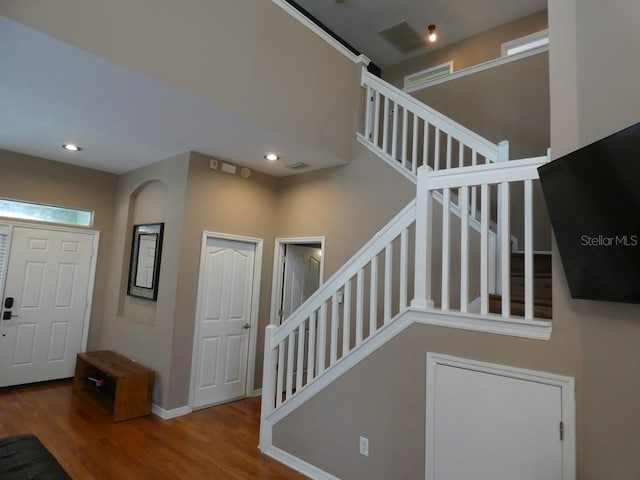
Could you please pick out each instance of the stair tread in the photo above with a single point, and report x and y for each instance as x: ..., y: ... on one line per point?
x: 540, y: 310
x: 545, y: 301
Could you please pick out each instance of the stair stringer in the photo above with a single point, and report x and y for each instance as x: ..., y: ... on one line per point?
x: 495, y: 324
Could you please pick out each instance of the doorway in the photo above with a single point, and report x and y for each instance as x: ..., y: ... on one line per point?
x: 297, y: 273
x: 226, y: 319
x: 48, y: 276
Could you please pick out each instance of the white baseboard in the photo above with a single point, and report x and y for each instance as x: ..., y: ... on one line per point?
x: 298, y: 465
x: 257, y: 393
x: 168, y: 414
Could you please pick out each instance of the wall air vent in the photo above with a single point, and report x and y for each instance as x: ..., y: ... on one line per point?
x: 403, y: 37
x: 426, y: 76
x: 298, y: 166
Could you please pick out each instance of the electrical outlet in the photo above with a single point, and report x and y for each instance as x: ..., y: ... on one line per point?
x: 364, y: 446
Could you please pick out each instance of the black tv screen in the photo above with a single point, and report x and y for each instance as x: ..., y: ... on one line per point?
x: 593, y: 199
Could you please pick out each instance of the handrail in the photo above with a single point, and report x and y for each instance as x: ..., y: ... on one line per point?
x: 500, y: 176
x: 445, y: 124
x: 374, y: 246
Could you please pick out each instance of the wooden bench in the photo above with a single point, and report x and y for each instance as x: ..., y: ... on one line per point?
x: 124, y: 382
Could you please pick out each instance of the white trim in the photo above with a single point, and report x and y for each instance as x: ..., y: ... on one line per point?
x: 297, y: 464
x: 566, y: 385
x: 278, y: 271
x: 255, y: 306
x: 489, y: 323
x: 287, y: 7
x: 497, y: 62
x: 257, y: 392
x: 90, y: 288
x: 523, y: 44
x: 436, y: 72
x: 387, y: 158
x: 158, y: 411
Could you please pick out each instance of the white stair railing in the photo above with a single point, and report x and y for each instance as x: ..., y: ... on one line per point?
x: 474, y: 278
x: 450, y: 164
x: 409, y: 134
x: 364, y: 295
x: 388, y: 273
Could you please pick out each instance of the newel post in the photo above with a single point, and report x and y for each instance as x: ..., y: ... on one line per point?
x: 496, y: 278
x: 424, y: 218
x: 268, y: 387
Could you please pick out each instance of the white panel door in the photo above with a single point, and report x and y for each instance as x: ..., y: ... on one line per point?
x: 301, y: 276
x: 225, y: 318
x: 48, y: 279
x: 493, y: 427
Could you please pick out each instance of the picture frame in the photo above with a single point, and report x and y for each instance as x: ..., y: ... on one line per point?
x: 144, y: 265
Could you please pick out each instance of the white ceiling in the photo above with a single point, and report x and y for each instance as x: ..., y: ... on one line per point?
x: 53, y: 93
x: 359, y: 21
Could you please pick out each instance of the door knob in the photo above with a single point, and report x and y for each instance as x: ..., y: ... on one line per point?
x: 246, y: 326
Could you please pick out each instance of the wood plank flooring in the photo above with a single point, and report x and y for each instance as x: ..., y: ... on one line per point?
x: 214, y: 443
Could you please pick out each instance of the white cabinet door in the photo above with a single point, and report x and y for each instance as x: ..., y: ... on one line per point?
x: 491, y: 425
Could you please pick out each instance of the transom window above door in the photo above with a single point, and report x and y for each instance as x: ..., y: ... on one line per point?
x: 44, y: 213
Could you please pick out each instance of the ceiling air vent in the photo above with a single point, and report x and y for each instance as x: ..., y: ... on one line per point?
x: 403, y: 37
x: 298, y: 166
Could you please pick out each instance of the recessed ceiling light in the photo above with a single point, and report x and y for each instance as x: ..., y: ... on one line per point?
x: 272, y: 157
x: 71, y: 147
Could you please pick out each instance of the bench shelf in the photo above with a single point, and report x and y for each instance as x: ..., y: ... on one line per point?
x: 126, y: 383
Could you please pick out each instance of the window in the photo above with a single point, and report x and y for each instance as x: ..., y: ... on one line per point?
x: 528, y: 42
x: 428, y: 75
x: 44, y: 213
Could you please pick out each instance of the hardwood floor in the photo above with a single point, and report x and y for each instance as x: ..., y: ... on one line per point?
x: 214, y: 443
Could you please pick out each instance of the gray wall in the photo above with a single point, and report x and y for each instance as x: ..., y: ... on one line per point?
x: 138, y: 328
x: 595, y: 71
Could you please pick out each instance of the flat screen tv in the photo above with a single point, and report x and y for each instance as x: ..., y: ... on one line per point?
x: 593, y: 199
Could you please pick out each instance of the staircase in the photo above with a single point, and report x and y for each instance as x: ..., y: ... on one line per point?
x: 542, y: 292
x: 405, y: 273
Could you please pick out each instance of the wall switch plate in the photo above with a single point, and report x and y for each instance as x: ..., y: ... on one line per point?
x: 364, y: 446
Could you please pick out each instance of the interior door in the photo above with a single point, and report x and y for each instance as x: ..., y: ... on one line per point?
x: 301, y: 276
x: 225, y: 320
x: 490, y: 426
x: 43, y: 309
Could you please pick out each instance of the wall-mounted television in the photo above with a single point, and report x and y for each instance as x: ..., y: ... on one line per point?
x: 593, y: 199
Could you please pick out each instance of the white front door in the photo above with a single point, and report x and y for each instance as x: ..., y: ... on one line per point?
x: 301, y: 276
x: 45, y: 297
x: 224, y: 321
